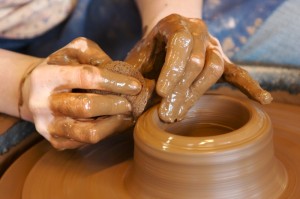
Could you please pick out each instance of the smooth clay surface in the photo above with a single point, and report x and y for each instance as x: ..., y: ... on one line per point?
x: 224, y: 148
x: 181, y: 160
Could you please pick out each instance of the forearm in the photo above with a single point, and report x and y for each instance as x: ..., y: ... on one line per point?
x: 13, y: 67
x: 153, y: 11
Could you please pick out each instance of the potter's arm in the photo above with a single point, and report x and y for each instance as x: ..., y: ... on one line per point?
x: 13, y: 67
x: 153, y: 11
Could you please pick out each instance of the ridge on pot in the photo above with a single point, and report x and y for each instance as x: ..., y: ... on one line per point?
x: 222, y: 149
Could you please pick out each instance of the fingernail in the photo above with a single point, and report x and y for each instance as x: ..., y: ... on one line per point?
x: 135, y: 85
x: 266, y: 98
x: 166, y: 112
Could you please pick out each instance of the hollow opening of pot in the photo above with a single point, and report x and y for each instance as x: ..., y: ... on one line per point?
x: 211, y: 117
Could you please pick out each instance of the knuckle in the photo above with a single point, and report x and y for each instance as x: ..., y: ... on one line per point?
x: 80, y: 39
x: 40, y: 128
x: 183, y: 38
x: 84, y: 106
x: 217, y: 69
x: 197, y: 61
x: 169, y: 18
x: 37, y: 107
x: 57, y: 145
x: 86, y: 135
x: 94, y: 136
x: 85, y: 75
x: 78, y: 42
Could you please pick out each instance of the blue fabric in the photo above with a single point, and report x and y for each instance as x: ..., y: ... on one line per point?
x: 256, y: 30
x: 235, y: 21
x: 114, y: 24
x: 14, y: 135
x: 277, y: 41
x: 261, y: 32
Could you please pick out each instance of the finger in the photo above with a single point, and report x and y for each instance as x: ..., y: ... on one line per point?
x: 140, y: 56
x: 79, y: 51
x: 195, y: 62
x: 63, y: 143
x: 89, y: 77
x: 241, y: 79
x: 179, y: 47
x: 87, y: 105
x: 213, y: 69
x: 171, y: 106
x: 90, y: 131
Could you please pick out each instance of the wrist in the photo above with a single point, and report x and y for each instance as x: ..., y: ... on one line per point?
x: 24, y: 90
x: 12, y: 68
x: 152, y: 11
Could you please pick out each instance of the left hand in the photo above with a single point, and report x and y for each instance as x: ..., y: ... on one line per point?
x: 189, y: 61
x: 70, y: 119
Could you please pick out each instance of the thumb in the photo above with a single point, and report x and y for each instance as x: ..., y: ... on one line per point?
x: 79, y: 51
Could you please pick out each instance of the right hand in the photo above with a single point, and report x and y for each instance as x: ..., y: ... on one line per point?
x: 187, y: 60
x: 68, y: 119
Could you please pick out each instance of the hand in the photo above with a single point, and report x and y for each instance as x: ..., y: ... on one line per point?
x: 189, y: 61
x: 68, y: 119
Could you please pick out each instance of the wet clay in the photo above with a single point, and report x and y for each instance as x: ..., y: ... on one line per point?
x: 241, y: 79
x: 138, y: 102
x: 88, y: 106
x: 237, y: 162
x: 186, y: 61
x: 241, y: 163
x: 173, y: 53
x: 79, y: 51
x: 84, y: 51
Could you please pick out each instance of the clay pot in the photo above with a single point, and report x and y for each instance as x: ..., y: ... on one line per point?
x: 222, y: 149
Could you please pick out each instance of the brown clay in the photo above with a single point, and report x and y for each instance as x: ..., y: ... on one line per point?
x: 88, y: 106
x: 84, y: 51
x: 79, y: 115
x: 138, y: 102
x: 228, y: 154
x: 243, y: 163
x: 181, y: 51
x: 20, y: 171
x: 188, y: 61
x: 241, y: 79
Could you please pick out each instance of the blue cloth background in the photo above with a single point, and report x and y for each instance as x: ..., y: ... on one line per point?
x: 277, y: 41
x: 115, y: 25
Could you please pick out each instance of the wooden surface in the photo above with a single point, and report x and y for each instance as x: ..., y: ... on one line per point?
x: 6, y: 122
x: 9, y: 157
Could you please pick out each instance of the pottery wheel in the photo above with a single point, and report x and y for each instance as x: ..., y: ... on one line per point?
x: 98, y: 171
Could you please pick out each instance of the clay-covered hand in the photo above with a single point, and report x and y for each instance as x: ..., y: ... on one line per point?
x: 71, y: 119
x: 189, y: 61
